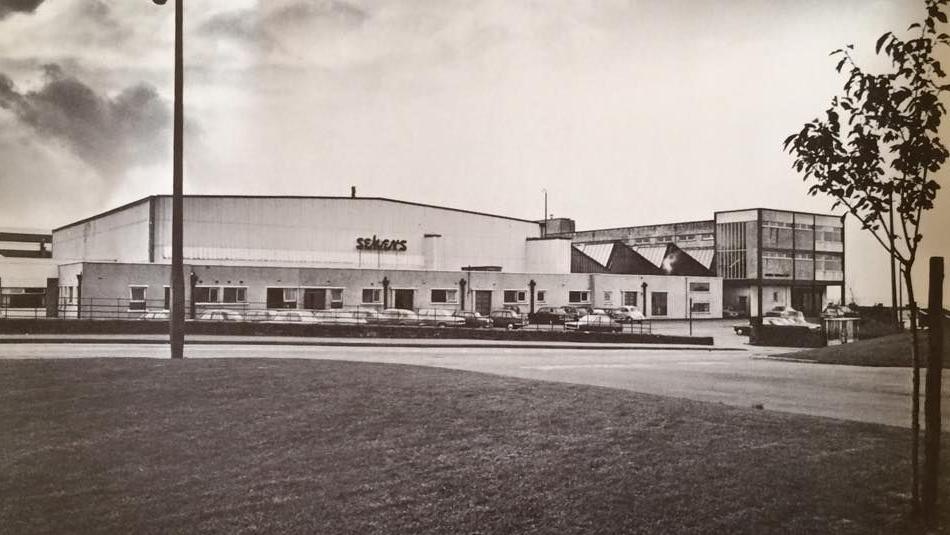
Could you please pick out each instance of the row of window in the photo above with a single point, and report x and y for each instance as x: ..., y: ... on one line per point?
x: 679, y: 237
x: 321, y: 298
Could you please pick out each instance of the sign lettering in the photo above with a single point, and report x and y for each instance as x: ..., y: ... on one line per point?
x: 376, y: 244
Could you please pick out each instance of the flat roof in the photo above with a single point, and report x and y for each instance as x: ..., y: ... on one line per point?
x: 296, y: 197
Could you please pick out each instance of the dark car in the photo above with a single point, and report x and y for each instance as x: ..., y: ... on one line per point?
x: 473, y: 319
x: 508, y: 319
x: 550, y: 315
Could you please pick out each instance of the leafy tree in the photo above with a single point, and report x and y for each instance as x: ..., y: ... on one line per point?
x: 876, y: 150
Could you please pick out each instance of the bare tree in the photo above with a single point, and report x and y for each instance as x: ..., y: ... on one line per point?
x: 876, y: 150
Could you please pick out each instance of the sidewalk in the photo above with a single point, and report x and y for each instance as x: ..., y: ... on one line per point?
x: 341, y: 342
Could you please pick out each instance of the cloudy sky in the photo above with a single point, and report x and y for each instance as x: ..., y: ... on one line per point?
x: 626, y: 111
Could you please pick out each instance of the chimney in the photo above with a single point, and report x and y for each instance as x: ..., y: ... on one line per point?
x: 353, y: 192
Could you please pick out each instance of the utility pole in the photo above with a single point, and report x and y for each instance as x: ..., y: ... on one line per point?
x: 545, y: 214
x: 177, y: 324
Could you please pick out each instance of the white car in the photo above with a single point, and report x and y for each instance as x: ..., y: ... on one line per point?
x: 438, y: 317
x: 290, y: 316
x: 398, y: 316
x: 338, y: 317
x: 594, y: 322
x: 627, y: 314
x: 156, y: 315
x: 220, y: 315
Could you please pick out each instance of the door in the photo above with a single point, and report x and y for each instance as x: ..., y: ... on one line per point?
x: 483, y: 302
x: 403, y: 299
x: 315, y: 299
x: 744, y: 305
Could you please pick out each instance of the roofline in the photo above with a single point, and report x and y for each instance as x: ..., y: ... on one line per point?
x: 646, y: 226
x: 107, y: 212
x: 304, y: 197
x: 759, y: 209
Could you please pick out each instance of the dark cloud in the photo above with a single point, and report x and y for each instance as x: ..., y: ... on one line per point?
x: 8, y: 7
x: 112, y: 134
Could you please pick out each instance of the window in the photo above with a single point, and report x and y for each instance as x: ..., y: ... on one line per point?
x: 235, y: 295
x: 658, y: 304
x: 336, y: 297
x: 686, y: 237
x: 167, y: 298
x: 578, y: 297
x: 608, y: 296
x: 775, y: 296
x: 699, y: 286
x: 629, y: 299
x: 444, y: 296
x: 372, y: 295
x: 281, y: 298
x: 541, y: 294
x: 137, y: 297
x: 205, y: 294
x: 515, y: 296
x: 700, y: 307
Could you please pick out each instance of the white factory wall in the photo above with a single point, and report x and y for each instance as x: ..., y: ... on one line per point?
x: 119, y: 236
x: 26, y: 272
x: 550, y: 255
x: 323, y: 232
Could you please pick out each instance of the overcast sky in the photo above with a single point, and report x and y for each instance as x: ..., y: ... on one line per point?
x: 627, y: 112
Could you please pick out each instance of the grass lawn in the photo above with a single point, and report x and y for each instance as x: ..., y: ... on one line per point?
x: 891, y: 350
x: 232, y: 446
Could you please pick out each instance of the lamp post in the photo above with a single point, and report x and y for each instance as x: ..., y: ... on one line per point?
x: 177, y: 324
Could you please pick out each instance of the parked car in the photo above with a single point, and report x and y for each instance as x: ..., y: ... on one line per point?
x: 627, y: 314
x: 290, y: 316
x: 473, y: 319
x: 398, y: 316
x: 155, y: 315
x: 551, y: 315
x: 258, y: 316
x: 337, y: 317
x: 220, y: 315
x: 834, y: 310
x: 508, y: 319
x: 439, y: 317
x: 594, y: 323
x: 582, y: 310
x: 368, y: 314
x: 729, y: 312
x: 779, y: 316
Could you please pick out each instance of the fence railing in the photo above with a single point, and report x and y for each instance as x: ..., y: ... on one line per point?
x: 95, y: 308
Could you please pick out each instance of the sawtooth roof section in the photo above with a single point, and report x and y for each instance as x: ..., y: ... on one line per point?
x: 653, y: 253
x: 703, y: 256
x: 598, y: 252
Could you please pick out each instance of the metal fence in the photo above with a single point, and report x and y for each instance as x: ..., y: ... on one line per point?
x: 254, y: 312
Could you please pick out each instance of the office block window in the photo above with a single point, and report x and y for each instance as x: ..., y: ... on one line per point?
x: 608, y: 296
x: 205, y: 294
x: 578, y: 297
x: 444, y: 296
x: 336, y: 297
x: 629, y: 299
x: 541, y: 294
x: 167, y: 298
x: 700, y: 307
x: 372, y: 296
x: 515, y: 296
x: 137, y: 297
x: 658, y: 303
x: 234, y: 294
x: 699, y: 286
x: 281, y: 298
x: 776, y: 265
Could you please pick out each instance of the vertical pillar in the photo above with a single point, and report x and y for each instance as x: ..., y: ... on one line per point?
x: 461, y: 294
x: 192, y: 282
x: 644, y: 287
x: 79, y: 296
x: 531, y: 286
x: 932, y: 394
x: 385, y: 293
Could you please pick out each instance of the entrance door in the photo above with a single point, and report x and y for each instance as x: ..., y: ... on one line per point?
x: 483, y: 302
x: 403, y: 299
x: 315, y: 299
x: 808, y: 300
x: 744, y: 305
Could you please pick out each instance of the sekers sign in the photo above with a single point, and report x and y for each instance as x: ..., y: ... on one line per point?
x: 376, y: 244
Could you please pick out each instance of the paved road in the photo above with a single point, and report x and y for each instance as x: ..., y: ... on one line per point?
x: 877, y: 395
